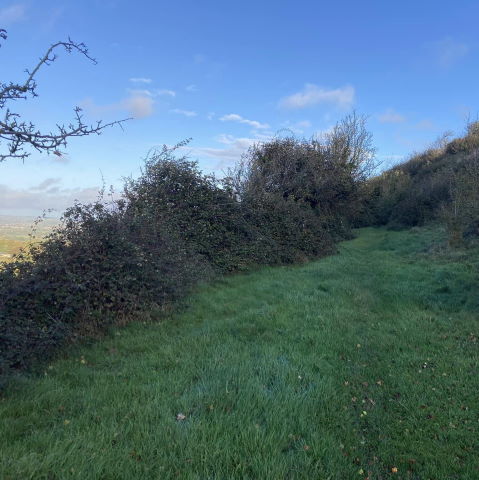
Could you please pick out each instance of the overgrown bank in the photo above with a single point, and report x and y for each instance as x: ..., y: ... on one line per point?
x: 363, y: 364
x: 288, y: 201
x: 439, y: 184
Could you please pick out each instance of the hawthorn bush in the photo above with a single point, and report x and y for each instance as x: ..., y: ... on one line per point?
x: 101, y: 265
x: 289, y: 200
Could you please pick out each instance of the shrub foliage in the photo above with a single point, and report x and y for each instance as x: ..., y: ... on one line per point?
x: 286, y: 201
x: 441, y: 184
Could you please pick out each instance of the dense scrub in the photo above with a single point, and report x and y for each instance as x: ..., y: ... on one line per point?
x: 287, y: 201
x: 440, y: 184
x: 101, y: 261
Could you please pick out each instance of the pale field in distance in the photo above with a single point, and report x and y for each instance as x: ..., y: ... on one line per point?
x: 15, y: 231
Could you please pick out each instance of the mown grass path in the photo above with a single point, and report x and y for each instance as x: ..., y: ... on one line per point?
x: 363, y: 364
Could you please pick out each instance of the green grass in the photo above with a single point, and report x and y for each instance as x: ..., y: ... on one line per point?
x: 348, y: 367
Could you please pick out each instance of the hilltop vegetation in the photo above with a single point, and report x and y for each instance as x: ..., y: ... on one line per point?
x: 440, y: 184
x: 360, y: 365
x: 287, y: 201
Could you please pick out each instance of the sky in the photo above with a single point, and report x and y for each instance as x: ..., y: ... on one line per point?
x: 228, y: 75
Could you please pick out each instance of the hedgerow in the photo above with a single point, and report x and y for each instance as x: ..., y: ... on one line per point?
x: 289, y: 200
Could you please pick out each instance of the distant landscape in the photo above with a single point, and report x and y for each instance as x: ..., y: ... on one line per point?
x: 16, y: 232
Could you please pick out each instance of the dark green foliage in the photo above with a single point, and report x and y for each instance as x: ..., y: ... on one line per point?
x: 101, y: 263
x: 311, y: 190
x: 439, y: 184
x: 174, y: 193
x: 289, y: 201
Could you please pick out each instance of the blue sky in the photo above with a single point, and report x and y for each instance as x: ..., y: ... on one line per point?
x: 228, y: 74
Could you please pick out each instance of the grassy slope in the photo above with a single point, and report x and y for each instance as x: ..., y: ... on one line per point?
x: 357, y: 364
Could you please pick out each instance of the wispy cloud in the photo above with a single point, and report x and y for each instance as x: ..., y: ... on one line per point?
x: 314, y: 95
x: 11, y: 14
x: 152, y: 93
x: 186, y: 113
x: 234, y: 117
x: 191, y: 88
x: 48, y: 194
x: 138, y: 105
x: 46, y: 184
x: 165, y: 91
x: 449, y: 51
x: 232, y: 150
x: 297, y: 127
x: 140, y: 80
x: 390, y: 116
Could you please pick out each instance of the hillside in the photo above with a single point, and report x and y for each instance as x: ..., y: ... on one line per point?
x: 360, y: 365
x: 439, y: 184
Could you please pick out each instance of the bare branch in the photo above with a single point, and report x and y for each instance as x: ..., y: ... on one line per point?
x: 18, y: 133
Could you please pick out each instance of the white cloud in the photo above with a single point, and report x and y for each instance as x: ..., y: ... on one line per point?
x: 192, y: 88
x: 314, y: 95
x: 186, y: 113
x: 390, y: 116
x: 48, y: 194
x: 234, y: 117
x: 152, y: 93
x: 448, y: 51
x: 13, y: 13
x: 47, y: 183
x: 143, y: 92
x: 297, y: 127
x: 140, y: 80
x: 164, y: 91
x: 234, y: 148
x: 139, y: 106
